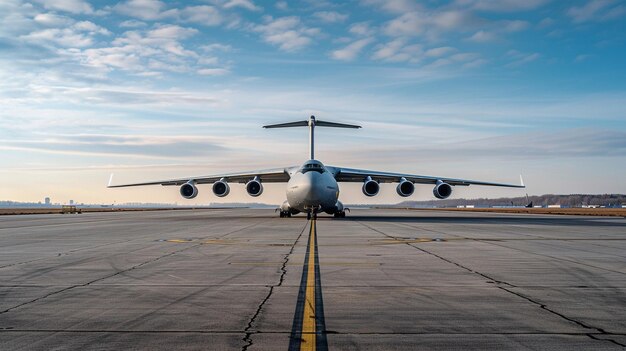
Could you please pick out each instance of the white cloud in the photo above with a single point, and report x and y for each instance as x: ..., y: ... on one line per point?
x: 213, y: 71
x: 397, y: 51
x: 86, y: 26
x: 62, y: 37
x: 431, y: 22
x: 246, y: 4
x: 521, y: 58
x: 475, y: 63
x: 288, y: 33
x: 80, y: 34
x: 52, y: 20
x: 546, y: 22
x: 394, y: 6
x: 507, y: 5
x: 150, y: 10
x: 72, y: 6
x: 143, y: 9
x: 514, y: 25
x: 451, y: 20
x: 171, y: 31
x: 351, y: 51
x: 204, y: 60
x: 467, y: 59
x: 440, y: 51
x: 132, y: 24
x: 204, y: 14
x: 483, y: 37
x: 362, y: 29
x: 596, y: 10
x: 408, y: 24
x: 282, y: 5
x: 216, y: 47
x: 147, y: 52
x: 330, y: 16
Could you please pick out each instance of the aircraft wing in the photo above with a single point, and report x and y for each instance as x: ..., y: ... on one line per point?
x: 276, y: 175
x: 359, y: 175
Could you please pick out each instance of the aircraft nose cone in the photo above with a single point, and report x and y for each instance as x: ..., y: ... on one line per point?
x: 311, y: 187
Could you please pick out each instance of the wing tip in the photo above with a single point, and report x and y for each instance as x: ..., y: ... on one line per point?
x: 110, y: 184
x: 521, y: 181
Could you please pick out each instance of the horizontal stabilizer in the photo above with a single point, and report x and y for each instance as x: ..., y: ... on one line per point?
x: 312, y: 122
x: 288, y: 125
x: 335, y: 125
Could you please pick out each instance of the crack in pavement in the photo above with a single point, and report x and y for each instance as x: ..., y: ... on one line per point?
x: 283, y: 271
x: 600, y: 331
x: 440, y: 257
x: 116, y: 273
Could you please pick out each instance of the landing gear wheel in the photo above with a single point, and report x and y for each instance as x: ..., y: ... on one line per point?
x: 282, y: 214
x: 308, y: 215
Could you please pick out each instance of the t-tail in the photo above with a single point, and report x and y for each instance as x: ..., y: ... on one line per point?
x: 312, y: 123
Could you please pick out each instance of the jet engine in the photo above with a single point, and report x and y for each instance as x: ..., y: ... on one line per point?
x: 442, y: 190
x: 254, y: 187
x: 370, y: 187
x: 221, y: 188
x: 405, y: 188
x: 189, y: 190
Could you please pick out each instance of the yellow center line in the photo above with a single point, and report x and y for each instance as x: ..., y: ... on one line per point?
x: 308, y: 320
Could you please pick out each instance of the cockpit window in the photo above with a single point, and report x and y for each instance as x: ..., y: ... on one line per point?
x: 315, y: 167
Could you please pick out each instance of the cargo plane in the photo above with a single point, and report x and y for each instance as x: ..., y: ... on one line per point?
x: 313, y: 187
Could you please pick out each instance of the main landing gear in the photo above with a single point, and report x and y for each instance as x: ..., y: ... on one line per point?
x: 341, y: 214
x: 284, y: 214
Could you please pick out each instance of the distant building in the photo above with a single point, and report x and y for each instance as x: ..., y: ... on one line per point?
x: 47, y: 201
x: 71, y: 202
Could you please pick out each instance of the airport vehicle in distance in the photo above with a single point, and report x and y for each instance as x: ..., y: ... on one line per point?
x: 313, y: 187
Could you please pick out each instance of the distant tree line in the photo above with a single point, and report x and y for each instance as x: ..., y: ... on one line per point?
x: 574, y: 200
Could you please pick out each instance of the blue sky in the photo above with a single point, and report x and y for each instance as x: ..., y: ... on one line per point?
x: 469, y: 88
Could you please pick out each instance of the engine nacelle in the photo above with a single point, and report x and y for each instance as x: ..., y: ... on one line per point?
x: 442, y: 190
x: 405, y: 188
x: 221, y: 188
x: 336, y: 209
x: 254, y: 187
x: 370, y: 187
x: 189, y: 190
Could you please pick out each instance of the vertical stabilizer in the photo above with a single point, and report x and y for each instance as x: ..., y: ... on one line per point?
x: 312, y: 137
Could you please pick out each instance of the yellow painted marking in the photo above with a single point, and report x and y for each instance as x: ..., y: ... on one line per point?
x: 308, y: 320
x: 326, y: 263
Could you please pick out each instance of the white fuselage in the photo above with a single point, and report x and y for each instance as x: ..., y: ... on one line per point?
x: 312, y: 188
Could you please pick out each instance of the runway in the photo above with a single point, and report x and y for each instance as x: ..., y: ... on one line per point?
x: 248, y: 280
